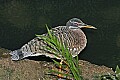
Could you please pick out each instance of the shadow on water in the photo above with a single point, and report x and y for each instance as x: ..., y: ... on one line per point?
x: 21, y: 20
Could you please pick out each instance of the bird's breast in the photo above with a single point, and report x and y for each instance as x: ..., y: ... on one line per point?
x: 75, y: 39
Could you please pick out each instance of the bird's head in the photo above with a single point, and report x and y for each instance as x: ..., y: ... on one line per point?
x: 76, y: 23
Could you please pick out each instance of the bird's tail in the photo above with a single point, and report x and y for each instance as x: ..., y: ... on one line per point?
x: 17, y: 55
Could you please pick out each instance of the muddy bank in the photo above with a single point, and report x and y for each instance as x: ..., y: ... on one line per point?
x: 37, y: 70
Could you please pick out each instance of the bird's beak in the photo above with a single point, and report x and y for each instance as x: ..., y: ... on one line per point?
x: 89, y: 26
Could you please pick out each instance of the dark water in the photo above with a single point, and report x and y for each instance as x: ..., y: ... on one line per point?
x: 20, y: 20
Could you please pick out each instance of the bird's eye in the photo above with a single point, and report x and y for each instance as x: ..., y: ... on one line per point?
x: 76, y: 23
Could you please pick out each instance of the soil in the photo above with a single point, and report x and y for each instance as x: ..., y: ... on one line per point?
x: 38, y: 70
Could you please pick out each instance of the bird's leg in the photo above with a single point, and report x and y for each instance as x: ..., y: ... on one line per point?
x: 67, y: 68
x: 60, y: 69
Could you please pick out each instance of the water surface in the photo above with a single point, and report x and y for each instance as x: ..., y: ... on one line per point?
x: 20, y: 20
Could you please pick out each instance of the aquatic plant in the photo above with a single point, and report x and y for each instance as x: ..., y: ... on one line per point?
x: 68, y: 67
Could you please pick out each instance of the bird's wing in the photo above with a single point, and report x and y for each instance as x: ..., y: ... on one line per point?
x: 75, y: 40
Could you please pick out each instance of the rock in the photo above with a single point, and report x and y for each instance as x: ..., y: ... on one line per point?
x: 37, y: 70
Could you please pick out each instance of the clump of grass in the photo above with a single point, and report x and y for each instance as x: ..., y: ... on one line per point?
x: 111, y: 76
x: 61, y: 51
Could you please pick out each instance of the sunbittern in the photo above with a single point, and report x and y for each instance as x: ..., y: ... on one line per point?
x: 71, y: 34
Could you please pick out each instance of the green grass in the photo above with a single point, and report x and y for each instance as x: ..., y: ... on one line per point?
x: 111, y: 76
x: 60, y: 50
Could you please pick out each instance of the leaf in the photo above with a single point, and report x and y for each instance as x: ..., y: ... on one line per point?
x: 49, y: 32
x: 117, y: 71
x: 37, y: 35
x: 57, y: 62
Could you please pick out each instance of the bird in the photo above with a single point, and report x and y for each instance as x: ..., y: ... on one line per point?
x: 71, y: 34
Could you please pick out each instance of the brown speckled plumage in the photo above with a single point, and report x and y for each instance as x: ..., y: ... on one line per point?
x: 72, y: 35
